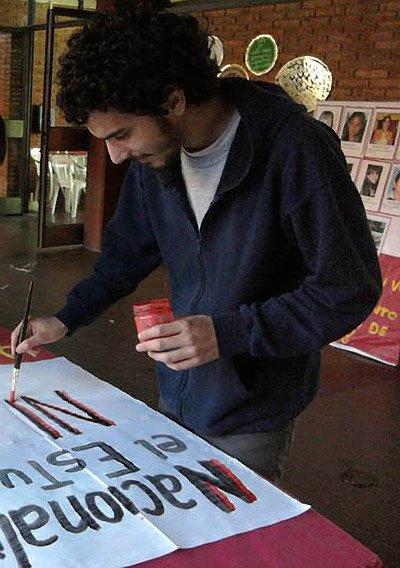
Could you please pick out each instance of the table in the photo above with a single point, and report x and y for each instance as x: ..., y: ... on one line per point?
x: 307, y: 541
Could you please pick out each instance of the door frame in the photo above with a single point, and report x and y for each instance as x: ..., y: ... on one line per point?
x: 75, y: 233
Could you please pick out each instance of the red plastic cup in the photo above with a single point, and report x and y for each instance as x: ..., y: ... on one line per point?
x: 153, y: 312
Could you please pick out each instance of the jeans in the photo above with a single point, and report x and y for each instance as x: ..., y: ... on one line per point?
x: 264, y: 452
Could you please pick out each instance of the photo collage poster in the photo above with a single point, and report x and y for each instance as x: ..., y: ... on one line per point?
x: 370, y: 139
x: 369, y: 133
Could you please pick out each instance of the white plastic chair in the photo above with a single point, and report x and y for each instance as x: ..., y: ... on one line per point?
x: 60, y: 167
x: 79, y: 172
x: 70, y: 172
x: 35, y: 155
x: 53, y: 186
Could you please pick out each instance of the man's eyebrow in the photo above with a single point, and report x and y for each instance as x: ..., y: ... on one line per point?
x: 115, y: 133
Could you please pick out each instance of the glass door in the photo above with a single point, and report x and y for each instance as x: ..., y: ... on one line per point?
x: 63, y: 149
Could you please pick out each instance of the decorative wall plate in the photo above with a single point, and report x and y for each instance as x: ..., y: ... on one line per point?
x: 261, y: 54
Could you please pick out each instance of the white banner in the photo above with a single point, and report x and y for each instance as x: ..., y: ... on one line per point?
x: 91, y: 477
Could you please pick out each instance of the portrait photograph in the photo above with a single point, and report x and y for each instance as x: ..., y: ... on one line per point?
x: 352, y: 167
x: 379, y: 227
x: 384, y: 133
x: 353, y: 130
x: 397, y: 155
x: 391, y: 243
x: 329, y: 114
x: 391, y: 201
x: 371, y: 183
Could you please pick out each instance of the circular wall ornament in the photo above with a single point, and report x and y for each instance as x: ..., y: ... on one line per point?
x: 261, y: 54
x: 217, y: 49
x: 306, y: 79
x: 233, y: 70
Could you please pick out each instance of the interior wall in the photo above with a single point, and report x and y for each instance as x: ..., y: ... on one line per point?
x: 358, y: 39
x: 11, y: 86
x: 5, y: 70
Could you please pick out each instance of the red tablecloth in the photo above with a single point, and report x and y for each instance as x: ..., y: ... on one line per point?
x: 38, y: 353
x: 306, y: 541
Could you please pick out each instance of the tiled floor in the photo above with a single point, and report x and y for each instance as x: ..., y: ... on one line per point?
x: 350, y: 432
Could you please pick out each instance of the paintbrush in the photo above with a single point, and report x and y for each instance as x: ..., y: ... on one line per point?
x: 21, y: 337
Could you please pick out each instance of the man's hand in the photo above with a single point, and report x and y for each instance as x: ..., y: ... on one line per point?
x: 40, y: 331
x: 182, y: 344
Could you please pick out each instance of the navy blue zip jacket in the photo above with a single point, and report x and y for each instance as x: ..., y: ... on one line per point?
x: 284, y: 263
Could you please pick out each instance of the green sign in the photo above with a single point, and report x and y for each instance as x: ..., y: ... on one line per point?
x: 261, y: 54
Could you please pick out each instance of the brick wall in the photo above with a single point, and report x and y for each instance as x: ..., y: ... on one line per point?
x: 358, y: 39
x: 5, y: 69
x: 11, y: 107
x: 11, y: 61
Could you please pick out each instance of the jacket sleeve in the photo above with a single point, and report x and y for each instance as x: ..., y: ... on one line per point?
x: 324, y: 219
x: 129, y: 253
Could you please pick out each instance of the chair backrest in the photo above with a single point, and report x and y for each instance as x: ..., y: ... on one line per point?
x: 35, y: 155
x: 79, y: 160
x: 62, y: 168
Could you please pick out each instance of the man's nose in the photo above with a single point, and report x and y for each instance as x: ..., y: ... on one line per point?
x: 116, y: 153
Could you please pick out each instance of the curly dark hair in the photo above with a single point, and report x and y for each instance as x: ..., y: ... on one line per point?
x: 132, y: 60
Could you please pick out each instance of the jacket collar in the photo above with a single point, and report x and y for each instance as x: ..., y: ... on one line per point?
x: 263, y: 108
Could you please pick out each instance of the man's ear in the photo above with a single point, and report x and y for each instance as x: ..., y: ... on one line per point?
x: 176, y: 103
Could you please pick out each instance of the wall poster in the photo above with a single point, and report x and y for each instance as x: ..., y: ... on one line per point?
x: 370, y: 139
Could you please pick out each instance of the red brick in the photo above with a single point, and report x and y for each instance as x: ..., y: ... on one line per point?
x: 338, y: 94
x: 394, y: 68
x: 306, y: 13
x: 393, y: 94
x: 239, y: 12
x: 394, y: 44
x: 387, y: 83
x: 317, y: 3
x: 337, y: 37
x: 290, y: 6
x: 243, y: 34
x: 255, y: 14
x: 372, y: 73
x: 354, y: 8
x: 382, y: 36
x: 267, y: 17
x: 262, y: 10
x: 370, y: 94
x: 373, y: 20
x: 352, y: 82
x: 389, y: 24
x: 389, y: 6
x: 335, y: 57
x: 287, y: 23
x: 330, y: 11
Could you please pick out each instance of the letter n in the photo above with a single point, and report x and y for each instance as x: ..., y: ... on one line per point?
x: 89, y: 415
x: 213, y: 487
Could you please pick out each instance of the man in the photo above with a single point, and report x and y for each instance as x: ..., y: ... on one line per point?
x: 248, y: 202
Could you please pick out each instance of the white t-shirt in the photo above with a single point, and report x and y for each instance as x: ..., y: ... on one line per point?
x: 202, y: 170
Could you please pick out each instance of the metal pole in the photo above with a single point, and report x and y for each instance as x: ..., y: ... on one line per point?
x: 45, y: 127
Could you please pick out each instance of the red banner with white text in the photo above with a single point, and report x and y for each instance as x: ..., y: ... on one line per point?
x: 379, y: 336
